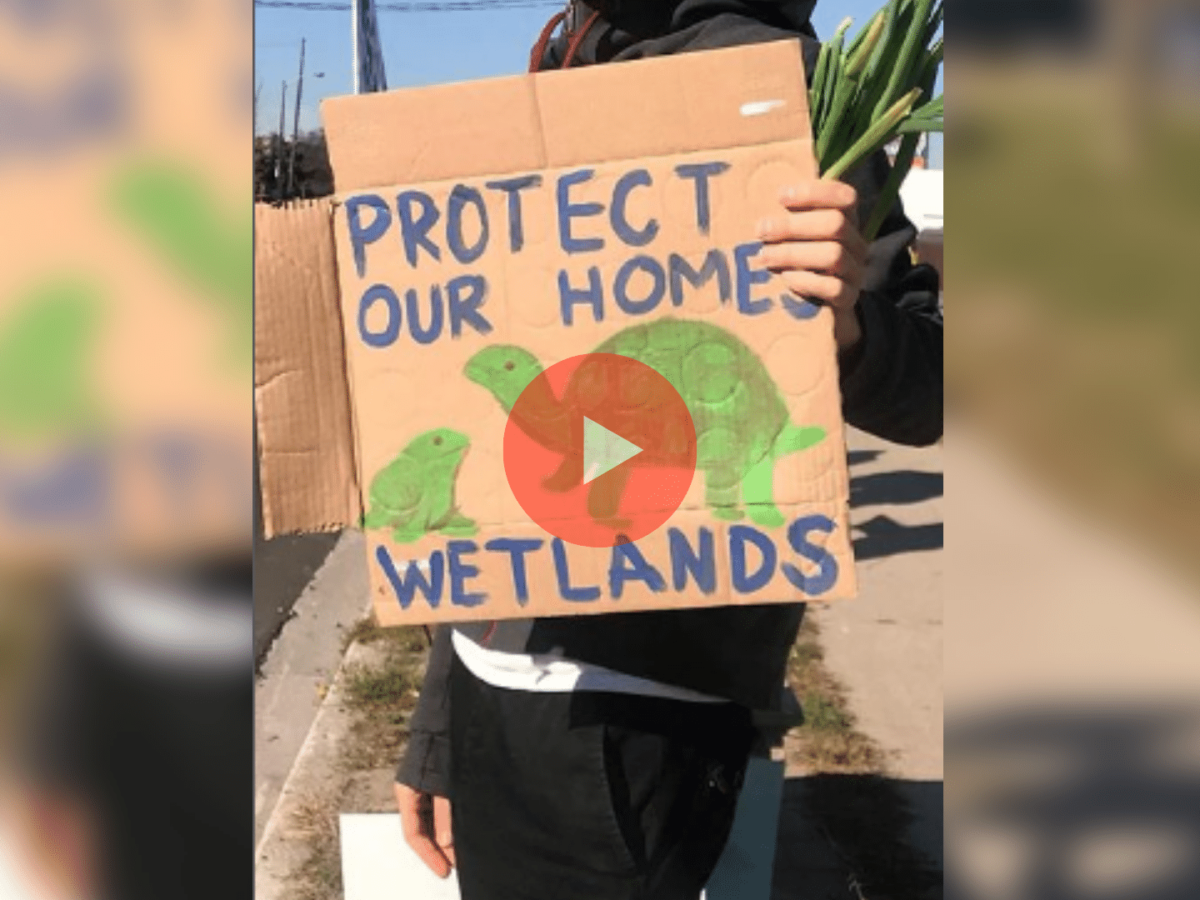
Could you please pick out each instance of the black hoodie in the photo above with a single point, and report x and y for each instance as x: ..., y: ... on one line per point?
x: 891, y: 384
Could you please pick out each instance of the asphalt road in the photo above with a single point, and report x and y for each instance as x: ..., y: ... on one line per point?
x: 283, y: 567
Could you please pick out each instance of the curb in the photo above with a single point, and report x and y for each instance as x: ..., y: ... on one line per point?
x: 283, y: 848
x: 290, y: 694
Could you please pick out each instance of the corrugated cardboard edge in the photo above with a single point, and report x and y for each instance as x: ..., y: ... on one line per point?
x: 571, y: 117
x: 305, y: 431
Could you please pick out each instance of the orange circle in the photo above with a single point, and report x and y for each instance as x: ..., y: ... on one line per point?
x: 545, y: 452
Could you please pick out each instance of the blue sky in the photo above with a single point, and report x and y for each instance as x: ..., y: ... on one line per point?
x: 422, y: 48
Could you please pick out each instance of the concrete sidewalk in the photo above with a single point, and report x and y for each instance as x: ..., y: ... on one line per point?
x: 886, y: 644
x: 301, y: 665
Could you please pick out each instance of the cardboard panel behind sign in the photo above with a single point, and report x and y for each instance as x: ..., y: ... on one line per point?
x: 306, y: 453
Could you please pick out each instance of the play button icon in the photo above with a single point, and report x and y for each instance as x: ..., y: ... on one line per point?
x: 603, y: 450
x: 599, y: 449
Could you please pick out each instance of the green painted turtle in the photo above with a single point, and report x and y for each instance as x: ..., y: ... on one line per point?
x: 740, y: 420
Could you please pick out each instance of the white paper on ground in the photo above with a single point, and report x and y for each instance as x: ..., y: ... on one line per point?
x: 378, y: 865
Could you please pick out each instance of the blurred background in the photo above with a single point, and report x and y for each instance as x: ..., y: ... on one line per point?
x: 1072, y: 666
x: 125, y: 448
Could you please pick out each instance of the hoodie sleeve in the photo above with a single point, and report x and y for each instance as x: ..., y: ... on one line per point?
x: 426, y: 762
x: 891, y: 380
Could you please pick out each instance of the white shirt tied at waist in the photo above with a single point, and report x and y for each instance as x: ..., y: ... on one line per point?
x: 548, y: 673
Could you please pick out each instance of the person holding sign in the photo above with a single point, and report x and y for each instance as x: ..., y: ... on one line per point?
x: 600, y: 757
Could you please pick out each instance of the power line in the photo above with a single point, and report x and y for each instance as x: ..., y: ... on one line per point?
x: 445, y: 6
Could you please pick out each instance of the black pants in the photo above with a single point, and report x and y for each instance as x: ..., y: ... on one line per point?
x: 590, y: 796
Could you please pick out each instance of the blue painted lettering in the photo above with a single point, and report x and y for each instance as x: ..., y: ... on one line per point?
x: 593, y: 295
x: 516, y: 548
x: 747, y: 277
x: 360, y: 234
x: 628, y: 564
x: 419, y: 334
x: 799, y: 309
x: 513, y: 187
x: 461, y: 197
x: 681, y: 270
x: 565, y: 590
x: 568, y: 211
x: 460, y: 572
x: 651, y: 267
x: 466, y: 308
x: 414, y: 232
x: 701, y: 172
x: 405, y: 588
x: 745, y: 582
x: 827, y: 568
x: 387, y: 335
x: 684, y: 561
x: 626, y: 232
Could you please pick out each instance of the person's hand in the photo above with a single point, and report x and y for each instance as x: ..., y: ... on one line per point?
x: 425, y: 819
x: 816, y: 247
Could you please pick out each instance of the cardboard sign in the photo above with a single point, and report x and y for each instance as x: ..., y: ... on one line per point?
x: 608, y: 209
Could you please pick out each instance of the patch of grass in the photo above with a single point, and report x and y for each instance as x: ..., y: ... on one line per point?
x: 383, y: 689
x: 828, y: 740
x: 377, y: 744
x: 413, y: 638
x: 364, y: 631
x: 380, y: 695
x: 383, y: 695
x: 805, y: 653
x: 823, y: 714
x: 319, y: 877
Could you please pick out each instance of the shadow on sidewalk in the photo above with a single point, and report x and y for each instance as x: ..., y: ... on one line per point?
x: 852, y: 836
x: 884, y: 536
x: 1097, y: 800
x: 855, y: 457
x: 906, y: 486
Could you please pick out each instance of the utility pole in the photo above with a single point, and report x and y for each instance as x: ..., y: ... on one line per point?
x: 296, y: 123
x: 369, y: 72
x: 279, y: 143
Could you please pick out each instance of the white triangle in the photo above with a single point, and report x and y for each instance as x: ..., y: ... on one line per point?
x: 603, y: 450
